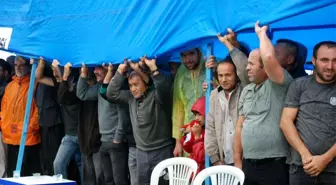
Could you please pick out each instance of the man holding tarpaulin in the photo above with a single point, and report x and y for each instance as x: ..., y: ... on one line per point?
x: 260, y: 147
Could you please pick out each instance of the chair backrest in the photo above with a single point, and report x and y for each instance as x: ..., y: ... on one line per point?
x: 180, y: 170
x: 221, y: 175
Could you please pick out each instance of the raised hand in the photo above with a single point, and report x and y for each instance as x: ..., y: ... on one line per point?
x: 55, y: 63
x: 222, y: 39
x: 259, y: 29
x: 108, y: 67
x: 56, y: 69
x: 151, y: 63
x: 84, y: 71
x: 211, y: 62
x: 134, y: 66
x: 109, y: 73
x: 122, y: 67
x: 41, y: 62
x: 67, y: 71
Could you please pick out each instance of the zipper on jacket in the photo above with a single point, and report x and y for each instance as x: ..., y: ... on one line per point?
x: 17, y: 96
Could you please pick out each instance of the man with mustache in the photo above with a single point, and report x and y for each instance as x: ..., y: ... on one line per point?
x: 223, y: 113
x: 13, y: 108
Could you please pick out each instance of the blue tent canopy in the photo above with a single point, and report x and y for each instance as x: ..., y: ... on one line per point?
x: 108, y: 31
x: 99, y: 31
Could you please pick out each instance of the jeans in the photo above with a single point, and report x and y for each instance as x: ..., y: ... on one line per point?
x: 297, y: 176
x: 114, y: 158
x: 270, y: 171
x: 68, y: 150
x: 92, y: 169
x: 147, y: 160
x: 132, y: 165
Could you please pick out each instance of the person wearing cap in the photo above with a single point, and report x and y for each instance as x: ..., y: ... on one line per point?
x: 13, y: 107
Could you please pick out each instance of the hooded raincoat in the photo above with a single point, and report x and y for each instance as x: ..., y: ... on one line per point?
x: 13, y: 109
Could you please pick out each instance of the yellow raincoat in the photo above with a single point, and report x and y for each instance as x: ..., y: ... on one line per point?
x: 187, y: 89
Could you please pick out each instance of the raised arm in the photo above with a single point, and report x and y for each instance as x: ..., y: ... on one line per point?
x: 67, y: 92
x: 114, y: 92
x: 84, y: 91
x: 136, y: 67
x: 162, y: 83
x: 272, y: 66
x: 238, y: 57
x: 39, y: 74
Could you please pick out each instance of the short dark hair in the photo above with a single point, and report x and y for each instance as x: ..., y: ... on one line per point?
x: 329, y: 44
x: 227, y: 60
x: 292, y: 46
x: 6, y: 66
x: 197, y: 50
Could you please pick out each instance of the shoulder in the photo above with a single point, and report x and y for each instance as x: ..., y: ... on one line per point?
x: 215, y: 91
x: 302, y: 82
x: 248, y: 87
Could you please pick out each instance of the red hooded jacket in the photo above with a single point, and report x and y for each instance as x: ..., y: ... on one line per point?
x: 195, y: 146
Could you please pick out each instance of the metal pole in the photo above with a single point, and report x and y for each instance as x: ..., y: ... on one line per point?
x: 26, y: 118
x: 208, y: 78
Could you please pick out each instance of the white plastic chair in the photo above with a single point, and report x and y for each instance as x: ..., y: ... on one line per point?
x: 221, y: 175
x: 180, y: 170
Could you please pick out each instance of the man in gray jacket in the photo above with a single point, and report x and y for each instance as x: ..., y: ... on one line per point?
x: 223, y: 113
x: 111, y: 118
x: 150, y: 111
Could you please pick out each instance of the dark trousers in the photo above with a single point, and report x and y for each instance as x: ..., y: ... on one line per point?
x: 147, y: 160
x: 271, y: 171
x: 92, y: 169
x: 30, y: 161
x: 114, y: 159
x: 297, y: 176
x: 51, y: 138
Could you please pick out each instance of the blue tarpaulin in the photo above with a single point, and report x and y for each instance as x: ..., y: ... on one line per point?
x: 99, y: 31
x: 108, y: 31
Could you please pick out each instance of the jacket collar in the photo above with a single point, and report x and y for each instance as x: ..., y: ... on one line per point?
x: 23, y: 79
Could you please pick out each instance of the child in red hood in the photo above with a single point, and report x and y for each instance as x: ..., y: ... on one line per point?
x: 193, y: 140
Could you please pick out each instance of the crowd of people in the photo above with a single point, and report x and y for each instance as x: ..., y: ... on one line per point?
x: 112, y: 124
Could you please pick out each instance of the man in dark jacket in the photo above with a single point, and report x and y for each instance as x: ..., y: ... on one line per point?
x: 70, y: 104
x: 51, y: 125
x: 291, y: 56
x: 150, y: 111
x: 127, y: 127
x: 111, y: 118
x: 89, y: 140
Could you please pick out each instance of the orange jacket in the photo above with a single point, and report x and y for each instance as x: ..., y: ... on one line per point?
x: 13, y: 109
